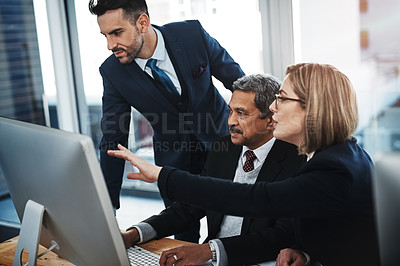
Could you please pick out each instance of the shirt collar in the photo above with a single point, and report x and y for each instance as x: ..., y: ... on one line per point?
x: 310, y: 155
x: 159, y: 52
x: 262, y: 151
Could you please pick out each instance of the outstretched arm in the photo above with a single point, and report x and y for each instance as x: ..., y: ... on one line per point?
x: 308, y: 195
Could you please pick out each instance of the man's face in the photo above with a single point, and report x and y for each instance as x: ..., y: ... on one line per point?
x: 245, y: 125
x: 123, y: 38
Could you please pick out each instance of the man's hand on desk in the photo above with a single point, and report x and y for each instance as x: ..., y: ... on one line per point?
x: 192, y: 254
x: 292, y: 257
x: 130, y: 237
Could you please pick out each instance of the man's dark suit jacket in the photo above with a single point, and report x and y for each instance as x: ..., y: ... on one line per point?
x: 184, y: 128
x: 329, y: 200
x: 282, y: 162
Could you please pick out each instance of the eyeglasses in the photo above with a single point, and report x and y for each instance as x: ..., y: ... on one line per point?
x: 279, y: 99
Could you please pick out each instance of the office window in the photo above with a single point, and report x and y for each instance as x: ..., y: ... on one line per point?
x: 362, y: 39
x: 244, y: 43
x: 198, y: 7
x: 21, y: 85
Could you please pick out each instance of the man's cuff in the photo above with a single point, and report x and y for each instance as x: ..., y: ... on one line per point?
x: 146, y: 232
x: 222, y: 258
x: 308, y: 259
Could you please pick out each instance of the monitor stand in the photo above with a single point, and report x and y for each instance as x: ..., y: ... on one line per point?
x: 29, y: 235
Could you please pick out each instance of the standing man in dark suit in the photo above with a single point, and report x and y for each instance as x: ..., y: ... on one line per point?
x: 165, y: 73
x: 235, y: 240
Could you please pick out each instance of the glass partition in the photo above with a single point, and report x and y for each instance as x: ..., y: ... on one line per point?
x: 362, y: 39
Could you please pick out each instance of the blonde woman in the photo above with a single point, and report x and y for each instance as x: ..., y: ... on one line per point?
x: 329, y: 200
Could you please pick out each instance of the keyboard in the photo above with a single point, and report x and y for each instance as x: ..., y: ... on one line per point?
x: 141, y: 257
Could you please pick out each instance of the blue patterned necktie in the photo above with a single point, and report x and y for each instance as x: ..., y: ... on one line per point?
x: 161, y: 76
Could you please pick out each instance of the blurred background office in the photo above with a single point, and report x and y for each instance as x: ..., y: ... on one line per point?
x: 50, y: 52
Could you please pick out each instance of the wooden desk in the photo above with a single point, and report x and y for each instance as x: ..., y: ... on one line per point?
x: 7, y: 250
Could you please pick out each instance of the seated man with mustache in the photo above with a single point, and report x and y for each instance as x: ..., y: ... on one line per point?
x: 249, y: 154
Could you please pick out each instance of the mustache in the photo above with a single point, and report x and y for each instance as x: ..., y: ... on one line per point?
x: 117, y: 49
x: 233, y: 129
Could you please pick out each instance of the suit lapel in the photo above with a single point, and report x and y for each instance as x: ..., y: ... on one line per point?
x: 146, y: 86
x: 272, y: 165
x: 228, y: 170
x: 231, y: 161
x: 180, y: 61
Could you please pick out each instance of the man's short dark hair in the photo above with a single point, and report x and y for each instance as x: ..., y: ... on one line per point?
x: 132, y: 8
x: 264, y: 86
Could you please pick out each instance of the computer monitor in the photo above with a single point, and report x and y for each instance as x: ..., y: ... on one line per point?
x: 58, y: 173
x: 387, y: 204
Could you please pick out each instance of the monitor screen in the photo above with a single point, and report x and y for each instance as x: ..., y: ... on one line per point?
x: 60, y: 171
x: 387, y: 204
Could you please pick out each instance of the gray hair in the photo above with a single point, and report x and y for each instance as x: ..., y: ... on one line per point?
x: 264, y: 86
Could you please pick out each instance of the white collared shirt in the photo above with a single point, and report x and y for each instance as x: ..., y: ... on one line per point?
x: 163, y: 61
x: 310, y: 155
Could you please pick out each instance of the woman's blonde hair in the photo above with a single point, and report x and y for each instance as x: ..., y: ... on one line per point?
x: 330, y: 104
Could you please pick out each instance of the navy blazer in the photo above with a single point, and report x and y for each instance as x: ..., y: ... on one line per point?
x: 329, y: 202
x: 282, y: 162
x: 184, y: 128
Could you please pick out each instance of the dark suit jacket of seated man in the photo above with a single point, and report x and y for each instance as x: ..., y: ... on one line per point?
x: 250, y: 247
